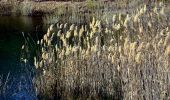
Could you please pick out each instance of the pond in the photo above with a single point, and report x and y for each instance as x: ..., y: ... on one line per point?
x: 11, y: 39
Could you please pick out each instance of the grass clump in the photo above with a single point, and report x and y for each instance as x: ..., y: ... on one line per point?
x: 123, y: 57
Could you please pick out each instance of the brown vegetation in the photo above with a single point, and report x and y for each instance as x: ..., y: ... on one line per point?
x: 126, y: 57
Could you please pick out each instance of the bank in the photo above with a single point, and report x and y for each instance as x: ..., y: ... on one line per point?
x: 31, y: 8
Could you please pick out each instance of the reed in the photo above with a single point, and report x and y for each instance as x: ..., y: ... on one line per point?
x: 125, y: 56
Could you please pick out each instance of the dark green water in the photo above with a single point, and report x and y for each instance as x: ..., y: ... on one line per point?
x: 11, y: 39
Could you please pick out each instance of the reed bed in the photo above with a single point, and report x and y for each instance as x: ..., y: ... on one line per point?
x: 123, y: 57
x: 82, y: 12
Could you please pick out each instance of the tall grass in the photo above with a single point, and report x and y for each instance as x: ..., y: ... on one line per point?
x: 17, y: 7
x: 26, y: 7
x: 3, y: 85
x: 123, y: 57
x: 81, y: 13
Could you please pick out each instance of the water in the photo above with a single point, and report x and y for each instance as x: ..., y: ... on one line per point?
x: 19, y: 83
x: 11, y: 39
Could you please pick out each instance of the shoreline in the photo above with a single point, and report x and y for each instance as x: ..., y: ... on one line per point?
x: 48, y: 7
x: 38, y: 9
x: 31, y: 8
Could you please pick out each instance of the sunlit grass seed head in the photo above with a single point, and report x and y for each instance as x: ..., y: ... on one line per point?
x: 72, y: 27
x: 126, y: 21
x: 167, y: 51
x: 120, y: 17
x: 53, y: 36
x: 56, y: 48
x: 162, y: 33
x: 81, y: 31
x: 44, y: 72
x: 83, y: 52
x: 49, y: 33
x: 61, y: 26
x: 25, y: 60
x: 134, y: 45
x: 106, y: 30
x: 116, y: 27
x: 140, y: 29
x: 96, y: 47
x: 45, y: 38
x: 49, y: 43
x: 65, y: 25
x: 149, y: 47
x: 121, y: 50
x: 23, y: 47
x: 41, y: 63
x: 162, y: 11
x: 85, y: 28
x: 135, y: 18
x: 42, y: 50
x: 155, y: 10
x: 93, y: 21
x: 59, y: 33
x: 58, y: 25
x: 113, y: 59
x: 111, y: 40
x: 64, y: 42
x: 144, y: 8
x: 149, y: 24
x: 91, y: 35
x: 75, y: 49
x: 138, y: 58
x: 156, y: 37
x: 167, y: 29
x: 88, y: 45
x: 114, y: 18
x: 167, y: 39
x: 42, y: 41
x: 126, y: 46
x: 50, y: 60
x: 98, y: 23
x: 80, y: 49
x: 94, y: 29
x: 36, y: 65
x: 141, y: 46
x: 107, y: 21
x: 111, y: 49
x: 93, y: 48
x: 97, y: 40
x: 35, y: 60
x: 109, y: 57
x: 63, y: 52
x: 60, y: 55
x: 141, y: 11
x: 127, y: 40
x: 161, y: 3
x: 67, y: 51
x: 51, y: 27
x: 160, y: 43
x: 45, y: 55
x: 75, y: 33
x: 88, y: 52
x: 68, y: 34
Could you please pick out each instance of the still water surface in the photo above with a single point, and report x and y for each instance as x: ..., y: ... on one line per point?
x: 11, y: 39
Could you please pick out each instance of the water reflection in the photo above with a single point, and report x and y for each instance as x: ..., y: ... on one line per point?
x: 11, y: 39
